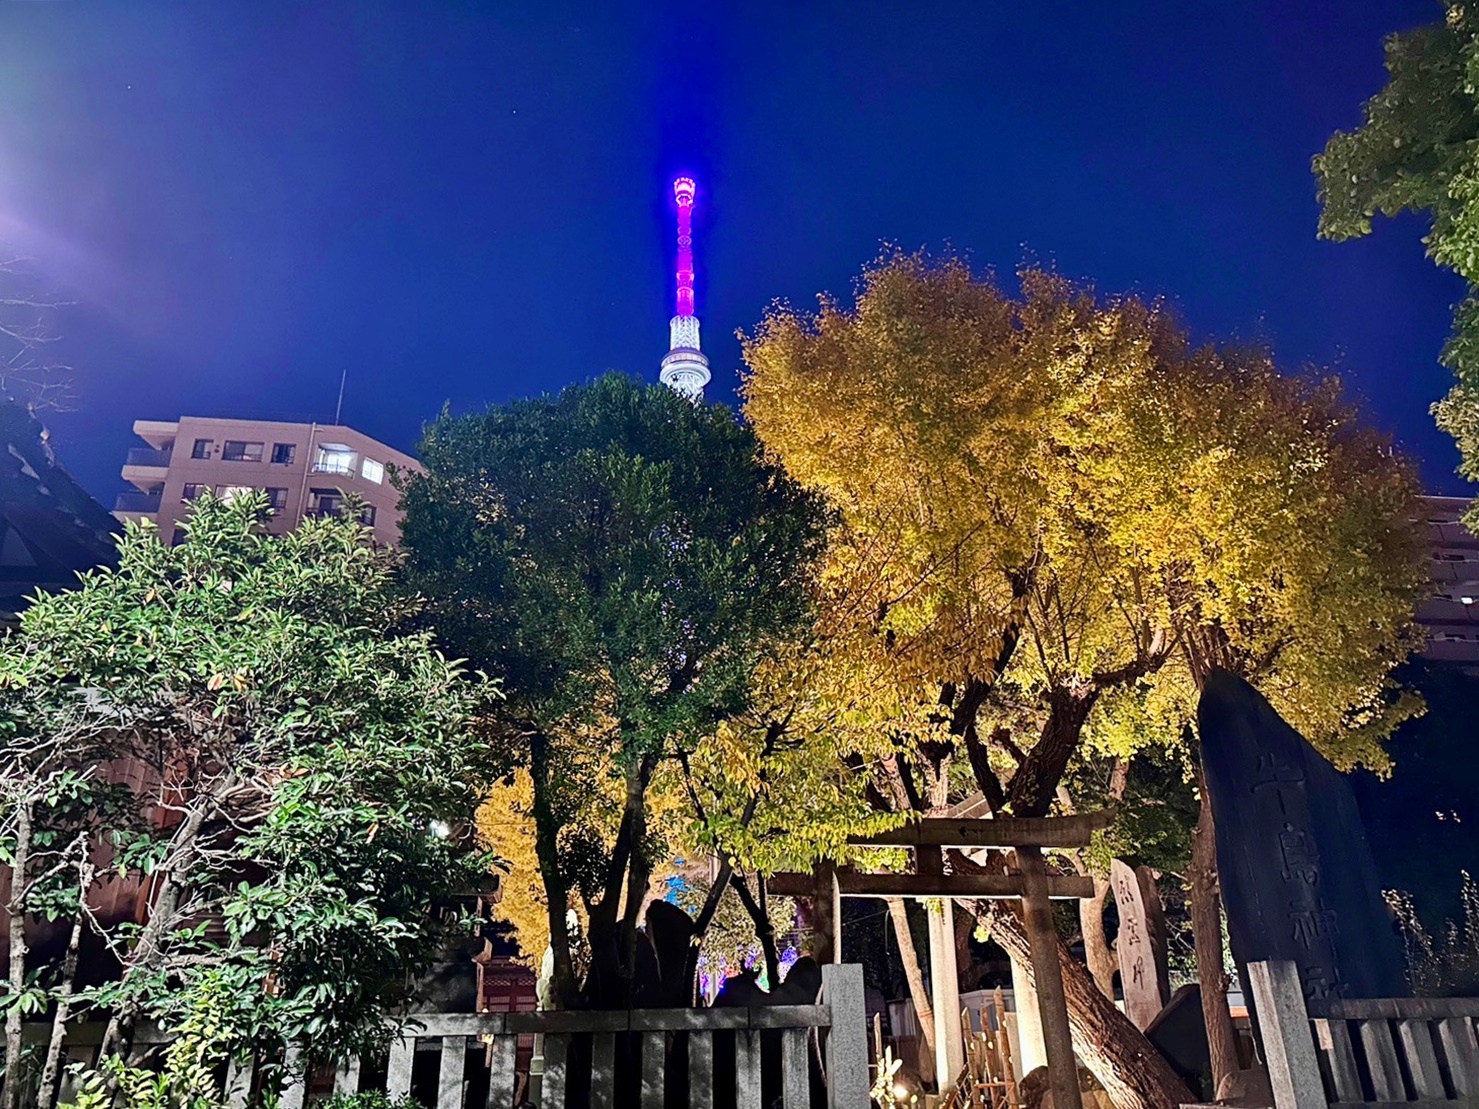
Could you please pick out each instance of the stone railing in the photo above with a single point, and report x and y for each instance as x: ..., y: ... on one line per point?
x: 1349, y: 1053
x: 604, y: 1059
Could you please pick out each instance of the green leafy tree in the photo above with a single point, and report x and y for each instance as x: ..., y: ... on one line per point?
x: 286, y: 751
x: 624, y: 560
x: 1416, y: 151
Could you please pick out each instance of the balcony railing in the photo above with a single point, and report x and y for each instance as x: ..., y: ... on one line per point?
x: 136, y: 502
x: 146, y: 456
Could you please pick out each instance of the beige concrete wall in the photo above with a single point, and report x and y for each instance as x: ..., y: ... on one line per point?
x: 300, y: 481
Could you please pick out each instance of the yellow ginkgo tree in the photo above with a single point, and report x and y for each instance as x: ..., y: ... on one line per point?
x: 1054, y: 516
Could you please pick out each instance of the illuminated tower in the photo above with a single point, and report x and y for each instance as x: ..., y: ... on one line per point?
x: 685, y: 368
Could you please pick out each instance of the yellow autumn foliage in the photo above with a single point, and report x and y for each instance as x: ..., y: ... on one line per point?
x: 1054, y: 493
x: 505, y: 826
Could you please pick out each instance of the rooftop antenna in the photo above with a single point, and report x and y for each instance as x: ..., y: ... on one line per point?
x: 338, y: 408
x: 685, y: 368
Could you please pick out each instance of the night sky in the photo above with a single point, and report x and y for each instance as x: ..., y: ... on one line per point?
x: 467, y: 202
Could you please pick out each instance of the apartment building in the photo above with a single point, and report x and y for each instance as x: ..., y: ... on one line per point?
x: 305, y: 469
x: 1450, y: 617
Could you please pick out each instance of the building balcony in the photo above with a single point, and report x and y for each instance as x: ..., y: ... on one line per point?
x: 146, y: 467
x: 142, y: 503
x: 147, y: 456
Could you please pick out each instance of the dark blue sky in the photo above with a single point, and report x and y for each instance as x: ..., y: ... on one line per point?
x: 465, y: 202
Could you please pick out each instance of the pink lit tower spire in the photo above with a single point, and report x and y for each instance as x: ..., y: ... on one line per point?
x: 685, y: 368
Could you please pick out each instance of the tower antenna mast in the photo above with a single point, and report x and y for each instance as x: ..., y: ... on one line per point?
x: 685, y: 368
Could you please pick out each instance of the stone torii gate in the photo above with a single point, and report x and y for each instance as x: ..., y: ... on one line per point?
x: 929, y: 838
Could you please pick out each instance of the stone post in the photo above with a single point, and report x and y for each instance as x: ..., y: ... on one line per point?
x: 1031, y: 1051
x: 945, y: 993
x: 1288, y: 1045
x: 847, y: 1040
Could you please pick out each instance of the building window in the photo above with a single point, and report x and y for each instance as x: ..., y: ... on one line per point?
x: 229, y: 493
x: 371, y: 470
x: 177, y: 537
x: 333, y: 458
x: 367, y: 515
x: 202, y: 448
x: 326, y: 502
x: 284, y: 453
x: 277, y: 498
x: 192, y: 490
x: 236, y: 450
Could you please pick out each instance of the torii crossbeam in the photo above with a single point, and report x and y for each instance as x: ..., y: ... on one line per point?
x: 928, y: 838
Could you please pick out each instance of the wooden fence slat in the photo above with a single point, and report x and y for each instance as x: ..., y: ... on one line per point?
x: 795, y: 1082
x: 1461, y: 1054
x: 556, y: 1065
x: 398, y: 1069
x: 1381, y: 1060
x: 501, y: 1077
x: 700, y: 1070
x: 603, y: 1071
x: 1004, y: 1045
x: 346, y: 1076
x: 1338, y: 1059
x: 747, y: 1070
x: 1416, y: 1039
x: 654, y: 1050
x: 450, y: 1071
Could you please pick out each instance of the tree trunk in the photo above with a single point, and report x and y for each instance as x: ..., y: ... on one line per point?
x: 613, y: 919
x: 1132, y: 1072
x: 967, y: 972
x: 1101, y: 960
x: 162, y: 914
x: 639, y: 870
x: 924, y: 1012
x: 701, y: 927
x: 1035, y: 783
x: 1206, y: 925
x: 16, y: 913
x: 556, y: 892
x: 759, y: 910
x: 51, y: 1072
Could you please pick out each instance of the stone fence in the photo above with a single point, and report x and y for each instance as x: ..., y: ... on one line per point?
x: 721, y: 1056
x: 1417, y: 1052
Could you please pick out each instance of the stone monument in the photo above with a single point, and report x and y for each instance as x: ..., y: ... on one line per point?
x: 1141, y: 944
x: 1297, y: 877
